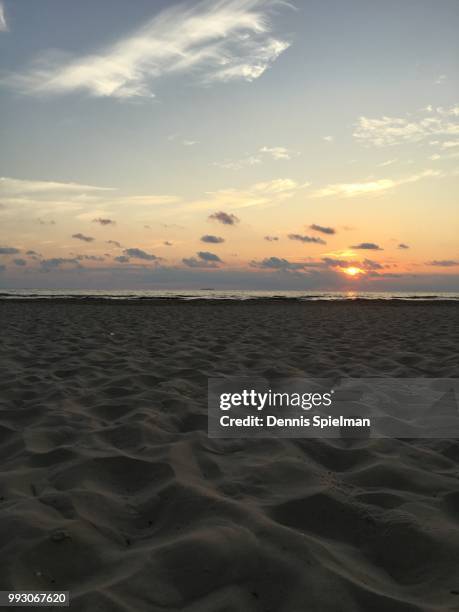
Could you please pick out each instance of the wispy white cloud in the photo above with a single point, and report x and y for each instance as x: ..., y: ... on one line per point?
x: 371, y: 187
x: 444, y: 156
x: 108, y: 205
x: 12, y: 186
x: 237, y: 164
x: 384, y: 131
x: 87, y: 202
x: 388, y: 162
x: 450, y: 144
x: 277, y: 152
x: 216, y: 41
x: 3, y: 24
x: 261, y: 194
x: 278, y: 186
x: 30, y: 198
x: 147, y: 200
x: 186, y: 142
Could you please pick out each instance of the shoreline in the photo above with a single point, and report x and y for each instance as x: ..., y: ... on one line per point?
x: 306, y: 300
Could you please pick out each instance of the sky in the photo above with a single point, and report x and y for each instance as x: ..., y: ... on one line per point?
x: 235, y: 144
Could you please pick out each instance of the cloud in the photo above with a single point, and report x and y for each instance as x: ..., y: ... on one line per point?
x: 367, y: 246
x: 56, y: 198
x: 271, y: 238
x: 114, y: 243
x: 149, y: 200
x: 11, y: 186
x: 207, y: 256
x: 82, y: 237
x: 172, y: 226
x: 121, y: 259
x: 9, y: 251
x: 386, y: 163
x: 44, y: 222
x: 277, y: 186
x: 262, y: 194
x: 323, y: 229
x: 193, y: 262
x: 328, y: 138
x: 448, y: 155
x: 443, y: 263
x: 20, y: 262
x: 368, y: 187
x: 140, y: 254
x: 367, y: 264
x: 450, y: 144
x: 237, y: 164
x: 277, y: 263
x: 402, y: 245
x: 3, y: 24
x: 215, y: 41
x: 353, y: 189
x: 311, y: 239
x: 370, y: 264
x: 204, y: 260
x: 387, y: 131
x: 277, y: 152
x: 56, y: 262
x: 225, y: 218
x: 93, y: 203
x: 336, y: 263
x: 212, y: 239
x: 90, y: 258
x: 102, y: 221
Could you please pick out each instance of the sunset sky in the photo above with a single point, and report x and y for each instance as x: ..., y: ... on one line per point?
x: 233, y: 144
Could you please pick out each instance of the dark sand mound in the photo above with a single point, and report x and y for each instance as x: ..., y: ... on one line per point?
x: 110, y: 487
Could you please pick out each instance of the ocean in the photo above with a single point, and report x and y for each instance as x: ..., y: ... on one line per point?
x: 213, y: 294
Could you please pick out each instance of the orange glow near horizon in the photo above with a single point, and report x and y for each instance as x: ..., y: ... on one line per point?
x: 352, y: 271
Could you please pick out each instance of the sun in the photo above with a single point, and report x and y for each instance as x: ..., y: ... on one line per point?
x: 353, y: 271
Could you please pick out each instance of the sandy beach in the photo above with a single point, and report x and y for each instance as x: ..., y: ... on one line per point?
x: 110, y: 487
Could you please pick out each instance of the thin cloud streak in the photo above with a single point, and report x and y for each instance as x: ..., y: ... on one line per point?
x: 218, y: 41
x: 12, y: 186
x: 443, y: 263
x: 3, y: 24
x: 374, y: 186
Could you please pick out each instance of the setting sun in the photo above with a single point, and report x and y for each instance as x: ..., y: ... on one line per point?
x: 353, y: 271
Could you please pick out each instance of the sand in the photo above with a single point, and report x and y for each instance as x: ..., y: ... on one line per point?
x: 110, y: 487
